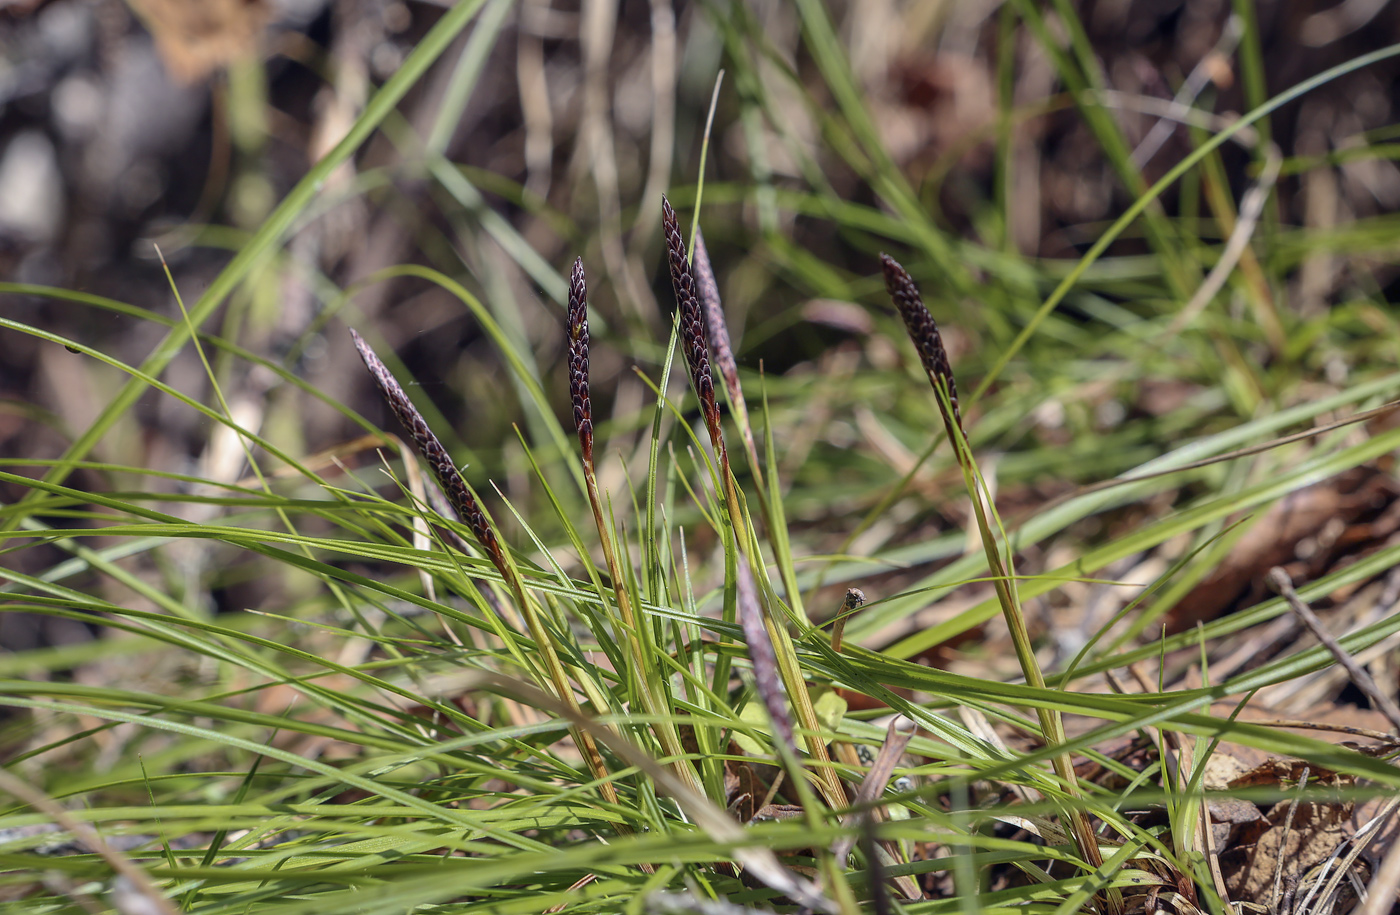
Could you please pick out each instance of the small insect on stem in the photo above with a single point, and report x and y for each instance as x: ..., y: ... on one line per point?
x: 855, y: 599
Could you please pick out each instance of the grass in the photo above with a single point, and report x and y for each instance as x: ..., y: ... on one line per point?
x: 601, y: 676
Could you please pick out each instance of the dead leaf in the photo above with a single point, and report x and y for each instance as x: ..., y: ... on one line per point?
x: 1309, y: 524
x: 197, y: 37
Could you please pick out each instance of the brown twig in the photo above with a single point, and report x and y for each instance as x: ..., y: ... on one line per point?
x: 152, y: 899
x: 1279, y: 580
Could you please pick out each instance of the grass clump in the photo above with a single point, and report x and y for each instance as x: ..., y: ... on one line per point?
x: 328, y: 682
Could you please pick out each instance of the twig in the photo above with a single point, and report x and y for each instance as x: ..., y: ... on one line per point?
x: 1380, y: 895
x: 1278, y: 580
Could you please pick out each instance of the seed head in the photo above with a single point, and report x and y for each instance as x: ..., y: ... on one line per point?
x: 578, y: 360
x: 697, y: 355
x: 922, y: 330
x: 461, y: 498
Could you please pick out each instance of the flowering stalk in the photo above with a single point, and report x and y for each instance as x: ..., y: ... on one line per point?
x: 465, y: 504
x: 707, y: 289
x: 583, y: 422
x: 923, y: 331
x: 698, y: 360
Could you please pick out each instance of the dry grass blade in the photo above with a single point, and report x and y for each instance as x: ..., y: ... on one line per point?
x: 142, y: 895
x: 897, y: 736
x: 1279, y: 580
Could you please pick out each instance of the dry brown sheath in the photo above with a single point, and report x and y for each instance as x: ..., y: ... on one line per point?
x: 578, y: 360
x: 697, y: 355
x: 461, y: 498
x: 922, y: 328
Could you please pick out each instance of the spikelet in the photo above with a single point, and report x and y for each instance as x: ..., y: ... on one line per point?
x: 716, y: 329
x: 578, y: 360
x: 697, y: 355
x: 922, y: 330
x: 460, y: 497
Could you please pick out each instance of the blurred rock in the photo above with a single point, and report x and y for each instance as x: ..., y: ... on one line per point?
x: 31, y: 189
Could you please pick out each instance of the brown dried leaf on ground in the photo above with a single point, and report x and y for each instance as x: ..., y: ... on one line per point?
x: 1299, y: 835
x: 197, y: 37
x: 1314, y: 524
